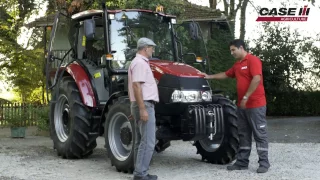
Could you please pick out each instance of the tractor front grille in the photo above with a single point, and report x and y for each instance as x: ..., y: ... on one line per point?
x: 202, y: 121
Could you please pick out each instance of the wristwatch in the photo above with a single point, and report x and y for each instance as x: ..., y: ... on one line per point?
x: 245, y: 98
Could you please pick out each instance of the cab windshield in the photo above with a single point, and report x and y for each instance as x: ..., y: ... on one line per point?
x: 127, y: 27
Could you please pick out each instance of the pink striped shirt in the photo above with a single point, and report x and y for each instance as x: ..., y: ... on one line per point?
x: 140, y: 71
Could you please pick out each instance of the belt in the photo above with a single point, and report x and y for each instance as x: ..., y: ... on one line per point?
x: 152, y: 101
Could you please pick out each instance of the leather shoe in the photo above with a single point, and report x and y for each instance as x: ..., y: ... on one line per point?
x: 236, y: 167
x: 147, y: 177
x: 262, y: 169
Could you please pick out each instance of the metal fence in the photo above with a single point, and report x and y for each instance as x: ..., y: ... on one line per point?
x: 23, y: 114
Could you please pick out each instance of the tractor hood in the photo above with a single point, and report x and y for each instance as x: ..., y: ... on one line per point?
x: 175, y: 69
x: 172, y: 77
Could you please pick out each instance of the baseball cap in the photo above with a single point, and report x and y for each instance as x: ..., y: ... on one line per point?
x: 142, y: 42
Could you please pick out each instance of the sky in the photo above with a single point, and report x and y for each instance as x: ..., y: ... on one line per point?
x: 4, y: 93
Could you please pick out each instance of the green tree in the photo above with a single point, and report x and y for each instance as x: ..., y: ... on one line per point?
x: 221, y: 60
x: 23, y: 67
x: 285, y: 53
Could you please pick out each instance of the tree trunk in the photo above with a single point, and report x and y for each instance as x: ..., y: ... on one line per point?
x: 232, y: 16
x: 213, y: 4
x: 43, y: 93
x: 231, y: 12
x: 232, y: 25
x: 226, y: 7
x: 243, y: 19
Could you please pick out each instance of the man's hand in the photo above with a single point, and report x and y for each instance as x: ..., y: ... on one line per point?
x: 144, y: 115
x: 243, y: 103
x: 221, y: 75
x: 206, y: 76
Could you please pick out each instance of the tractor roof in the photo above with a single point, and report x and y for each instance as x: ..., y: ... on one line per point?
x: 89, y: 13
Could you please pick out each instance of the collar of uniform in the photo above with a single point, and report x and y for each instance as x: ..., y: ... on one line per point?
x: 245, y: 58
x: 143, y: 57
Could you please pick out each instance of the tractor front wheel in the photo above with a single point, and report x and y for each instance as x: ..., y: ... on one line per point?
x: 120, y: 136
x: 224, y: 150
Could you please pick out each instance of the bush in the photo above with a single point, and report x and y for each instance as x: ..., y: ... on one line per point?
x: 14, y: 119
x: 296, y: 103
x: 221, y: 60
x: 42, y: 114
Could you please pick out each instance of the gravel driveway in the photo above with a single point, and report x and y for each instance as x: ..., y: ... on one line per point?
x: 33, y: 158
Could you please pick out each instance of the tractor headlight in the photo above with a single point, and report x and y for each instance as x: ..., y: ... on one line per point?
x: 190, y: 96
x: 176, y: 96
x: 206, y: 96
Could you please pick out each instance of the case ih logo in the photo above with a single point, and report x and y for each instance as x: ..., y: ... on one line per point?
x: 284, y: 14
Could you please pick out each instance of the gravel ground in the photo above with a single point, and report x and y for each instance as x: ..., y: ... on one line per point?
x: 33, y: 158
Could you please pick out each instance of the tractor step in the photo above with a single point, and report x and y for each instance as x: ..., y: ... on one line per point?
x: 96, y: 117
x: 166, y: 133
x: 93, y: 133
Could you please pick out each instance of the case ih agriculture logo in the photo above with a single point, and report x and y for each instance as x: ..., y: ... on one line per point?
x: 284, y: 14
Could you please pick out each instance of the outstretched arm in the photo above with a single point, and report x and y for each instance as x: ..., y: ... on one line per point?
x: 221, y: 75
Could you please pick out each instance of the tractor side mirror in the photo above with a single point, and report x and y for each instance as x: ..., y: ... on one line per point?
x: 89, y: 28
x: 194, y: 31
x: 189, y: 58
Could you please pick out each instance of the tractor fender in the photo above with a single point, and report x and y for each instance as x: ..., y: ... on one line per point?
x: 121, y: 95
x: 83, y: 82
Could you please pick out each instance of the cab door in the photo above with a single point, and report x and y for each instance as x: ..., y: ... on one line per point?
x: 191, y: 46
x: 59, y: 48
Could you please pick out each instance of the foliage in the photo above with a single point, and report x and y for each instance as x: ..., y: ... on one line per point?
x: 170, y: 6
x: 24, y: 114
x: 23, y: 67
x: 15, y: 115
x: 220, y: 61
x: 295, y: 103
x: 231, y: 9
x: 13, y: 120
x: 25, y: 71
x: 35, y: 95
x: 42, y: 114
x: 74, y: 6
x: 285, y: 53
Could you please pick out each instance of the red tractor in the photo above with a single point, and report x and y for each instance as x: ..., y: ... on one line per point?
x: 88, y: 58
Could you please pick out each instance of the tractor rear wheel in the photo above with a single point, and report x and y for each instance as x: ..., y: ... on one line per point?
x: 224, y: 151
x: 120, y: 136
x: 70, y: 122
